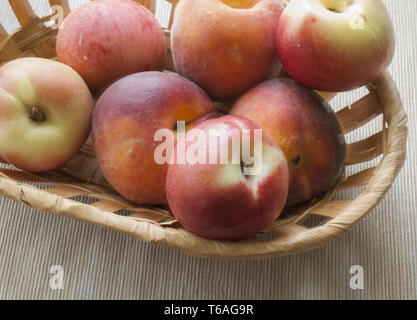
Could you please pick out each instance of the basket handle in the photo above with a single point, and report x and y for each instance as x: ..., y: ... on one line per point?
x: 23, y: 11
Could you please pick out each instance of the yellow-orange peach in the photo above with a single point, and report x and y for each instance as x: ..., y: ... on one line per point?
x: 226, y: 46
x: 125, y: 120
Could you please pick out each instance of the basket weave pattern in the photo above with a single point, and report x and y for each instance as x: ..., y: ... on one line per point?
x: 78, y: 190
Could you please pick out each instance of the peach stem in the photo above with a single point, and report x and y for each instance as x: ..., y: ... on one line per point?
x: 37, y: 115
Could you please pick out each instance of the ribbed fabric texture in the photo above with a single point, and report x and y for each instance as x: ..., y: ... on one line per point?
x: 103, y: 264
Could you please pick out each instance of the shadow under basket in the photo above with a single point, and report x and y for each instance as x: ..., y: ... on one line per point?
x: 79, y: 191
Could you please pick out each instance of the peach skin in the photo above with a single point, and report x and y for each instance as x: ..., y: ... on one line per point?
x: 219, y: 200
x: 126, y: 118
x: 335, y: 45
x: 45, y: 113
x: 226, y: 46
x: 105, y: 40
x: 305, y: 127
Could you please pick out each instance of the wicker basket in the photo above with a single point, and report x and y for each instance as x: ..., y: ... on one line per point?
x: 78, y: 190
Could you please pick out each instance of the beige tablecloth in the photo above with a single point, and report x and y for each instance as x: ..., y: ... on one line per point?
x: 97, y: 263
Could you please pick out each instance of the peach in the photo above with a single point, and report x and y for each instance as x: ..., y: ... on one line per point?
x: 105, y: 40
x: 305, y: 127
x: 45, y: 113
x: 335, y: 45
x: 219, y: 199
x: 226, y: 46
x: 125, y: 121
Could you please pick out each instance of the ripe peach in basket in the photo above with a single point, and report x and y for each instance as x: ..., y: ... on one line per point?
x: 335, y: 45
x: 305, y: 127
x: 105, y: 40
x: 226, y: 46
x: 222, y: 190
x: 45, y: 113
x: 126, y: 119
